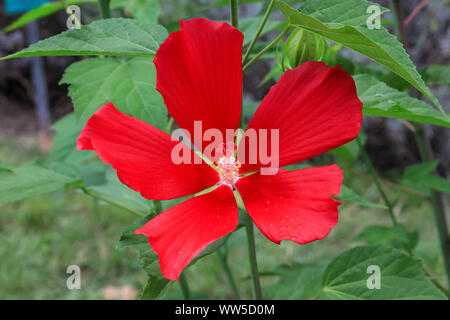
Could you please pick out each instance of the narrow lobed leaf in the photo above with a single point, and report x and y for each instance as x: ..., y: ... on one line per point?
x: 380, y: 100
x: 400, y: 276
x: 31, y: 180
x: 345, y: 22
x: 128, y: 83
x: 110, y: 37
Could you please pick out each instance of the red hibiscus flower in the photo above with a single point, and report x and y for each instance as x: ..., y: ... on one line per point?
x: 199, y: 74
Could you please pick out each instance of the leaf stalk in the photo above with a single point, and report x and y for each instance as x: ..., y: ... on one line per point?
x: 234, y: 13
x: 253, y: 262
x: 372, y: 171
x: 258, y: 32
x: 436, y: 203
x: 268, y: 47
x: 184, y: 286
x: 109, y: 201
x: 223, y: 257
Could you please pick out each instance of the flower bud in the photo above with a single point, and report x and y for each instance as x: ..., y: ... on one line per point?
x: 301, y: 46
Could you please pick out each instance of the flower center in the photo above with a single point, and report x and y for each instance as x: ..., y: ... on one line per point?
x: 228, y: 166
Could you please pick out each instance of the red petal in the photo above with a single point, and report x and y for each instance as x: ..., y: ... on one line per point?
x: 315, y: 108
x: 294, y: 205
x: 180, y: 233
x: 199, y: 75
x: 141, y: 155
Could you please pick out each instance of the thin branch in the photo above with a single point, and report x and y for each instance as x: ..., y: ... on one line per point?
x: 415, y: 12
x: 426, y: 154
x: 397, y: 18
x: 184, y: 286
x: 393, y: 185
x: 170, y: 125
x: 436, y: 202
x: 234, y: 13
x: 258, y: 32
x: 223, y: 257
x: 267, y: 48
x: 376, y: 180
x: 253, y: 262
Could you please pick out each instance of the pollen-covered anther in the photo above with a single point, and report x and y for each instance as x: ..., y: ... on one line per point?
x: 228, y: 168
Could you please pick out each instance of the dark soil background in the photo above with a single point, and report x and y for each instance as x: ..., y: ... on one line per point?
x: 390, y: 144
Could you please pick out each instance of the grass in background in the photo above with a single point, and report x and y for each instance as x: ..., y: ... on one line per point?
x: 42, y: 236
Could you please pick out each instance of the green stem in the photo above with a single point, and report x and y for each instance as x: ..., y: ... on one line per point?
x: 253, y: 262
x: 105, y: 9
x: 426, y: 154
x: 170, y: 125
x: 376, y: 180
x: 223, y: 257
x: 258, y: 32
x: 390, y: 184
x: 267, y: 48
x: 157, y: 207
x: 397, y: 20
x: 184, y: 287
x: 99, y: 197
x: 436, y: 203
x: 234, y: 13
x: 440, y: 287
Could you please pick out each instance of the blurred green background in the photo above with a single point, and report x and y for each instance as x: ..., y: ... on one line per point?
x: 42, y: 236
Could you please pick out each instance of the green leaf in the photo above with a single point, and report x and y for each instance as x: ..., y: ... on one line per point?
x: 436, y: 74
x: 128, y: 83
x: 41, y: 12
x: 66, y: 133
x: 397, y: 236
x: 348, y: 194
x: 394, y: 81
x: 116, y: 191
x: 402, y: 276
x: 421, y: 170
x: 6, y: 168
x: 90, y: 168
x: 157, y: 284
x: 145, y: 10
x: 149, y: 261
x: 354, y: 67
x: 155, y: 288
x: 348, y: 152
x: 420, y: 177
x: 345, y: 22
x: 380, y: 100
x: 298, y: 282
x: 61, y: 168
x: 86, y: 163
x: 128, y: 238
x: 437, y: 183
x: 212, y: 247
x: 29, y: 181
x: 110, y: 37
x: 433, y: 75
